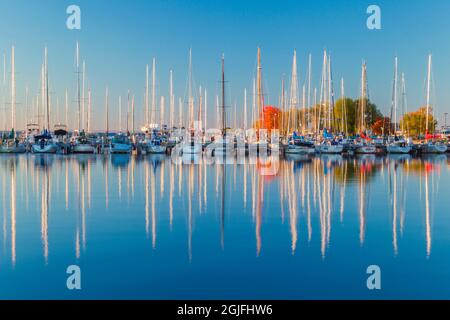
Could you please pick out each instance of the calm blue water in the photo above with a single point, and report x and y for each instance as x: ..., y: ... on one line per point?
x: 150, y: 228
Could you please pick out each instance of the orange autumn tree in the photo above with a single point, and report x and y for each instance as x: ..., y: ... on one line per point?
x: 271, y: 119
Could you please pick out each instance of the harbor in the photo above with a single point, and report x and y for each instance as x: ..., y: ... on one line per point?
x: 224, y: 150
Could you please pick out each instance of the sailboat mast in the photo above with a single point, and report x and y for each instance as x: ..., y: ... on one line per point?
x: 83, y: 96
x: 107, y: 110
x: 172, y: 102
x: 403, y: 101
x: 46, y: 88
x: 67, y: 109
x: 88, y: 120
x: 309, y: 79
x: 259, y: 85
x: 363, y: 97
x: 395, y: 93
x: 191, y: 101
x: 152, y: 117
x: 13, y: 89
x: 78, y: 86
x: 245, y: 110
x: 146, y: 96
x: 205, y: 113
x: 128, y: 111
x: 120, y: 113
x: 428, y: 91
x: 294, y: 94
x: 224, y: 123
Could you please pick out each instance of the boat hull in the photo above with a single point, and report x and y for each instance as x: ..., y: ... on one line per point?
x: 12, y: 149
x: 192, y: 149
x: 299, y: 150
x: 120, y: 148
x: 83, y: 149
x: 366, y: 150
x: 330, y: 149
x: 434, y: 149
x: 48, y: 148
x: 398, y: 149
x: 155, y: 149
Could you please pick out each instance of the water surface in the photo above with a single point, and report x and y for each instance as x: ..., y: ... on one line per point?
x: 150, y: 228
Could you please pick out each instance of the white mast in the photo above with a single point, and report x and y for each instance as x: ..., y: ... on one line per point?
x: 254, y: 102
x: 172, y: 103
x: 13, y: 90
x: 404, y: 101
x: 191, y: 100
x: 245, y: 110
x: 428, y: 91
x: 120, y: 113
x: 46, y: 88
x: 161, y: 121
x: 132, y: 115
x: 363, y: 96
x: 294, y: 94
x: 146, y: 96
x: 88, y: 126
x: 206, y: 109
x: 180, y: 112
x: 128, y: 111
x: 260, y: 88
x: 67, y: 109
x: 83, y: 96
x: 304, y: 109
x: 4, y: 87
x: 395, y: 93
x: 152, y: 115
x: 344, y: 108
x: 78, y: 86
x: 309, y: 80
x: 107, y: 110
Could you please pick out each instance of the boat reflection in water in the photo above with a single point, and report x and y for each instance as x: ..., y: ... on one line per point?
x: 166, y: 228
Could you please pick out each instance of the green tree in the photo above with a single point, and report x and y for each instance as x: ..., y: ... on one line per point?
x: 414, y: 123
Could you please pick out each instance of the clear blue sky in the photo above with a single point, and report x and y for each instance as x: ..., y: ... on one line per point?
x: 118, y: 38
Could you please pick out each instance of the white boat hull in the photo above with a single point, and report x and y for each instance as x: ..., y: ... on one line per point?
x: 48, y: 148
x: 398, y: 149
x: 120, y: 148
x: 83, y: 148
x: 330, y: 149
x: 192, y: 149
x: 12, y: 149
x: 366, y: 150
x: 155, y: 149
x: 434, y: 148
x: 299, y: 150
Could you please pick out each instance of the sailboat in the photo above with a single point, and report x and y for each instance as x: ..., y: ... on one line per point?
x: 296, y: 144
x: 364, y: 146
x: 155, y: 143
x: 329, y: 145
x: 44, y: 143
x: 10, y: 143
x: 259, y: 146
x: 121, y: 143
x: 398, y: 145
x: 191, y: 146
x: 430, y: 146
x: 222, y: 146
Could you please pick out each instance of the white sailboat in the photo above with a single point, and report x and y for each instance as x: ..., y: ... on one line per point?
x: 430, y: 146
x: 44, y: 143
x: 11, y: 144
x: 223, y: 146
x: 191, y: 146
x: 398, y: 146
x: 364, y: 146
